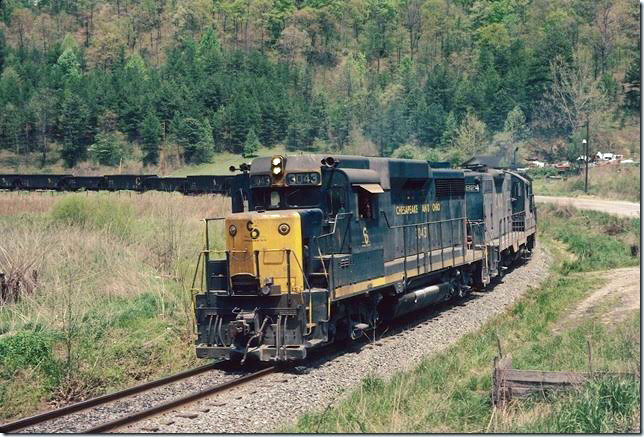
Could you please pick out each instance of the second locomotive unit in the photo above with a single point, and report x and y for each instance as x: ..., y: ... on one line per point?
x: 319, y: 249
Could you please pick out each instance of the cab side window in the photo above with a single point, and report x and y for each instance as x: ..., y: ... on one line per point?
x: 365, y: 205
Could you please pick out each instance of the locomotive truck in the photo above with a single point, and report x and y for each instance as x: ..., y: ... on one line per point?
x: 319, y: 249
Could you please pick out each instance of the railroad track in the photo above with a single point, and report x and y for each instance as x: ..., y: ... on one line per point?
x: 136, y: 416
x: 160, y: 408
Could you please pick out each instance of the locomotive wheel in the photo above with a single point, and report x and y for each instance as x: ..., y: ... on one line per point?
x: 235, y: 357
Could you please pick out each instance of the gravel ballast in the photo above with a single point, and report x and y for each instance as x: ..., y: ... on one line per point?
x: 85, y: 419
x: 281, y: 397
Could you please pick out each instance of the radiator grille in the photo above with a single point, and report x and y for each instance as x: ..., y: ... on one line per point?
x: 449, y: 188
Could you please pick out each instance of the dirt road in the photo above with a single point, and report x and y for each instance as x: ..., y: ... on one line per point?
x: 617, y: 207
x: 618, y: 299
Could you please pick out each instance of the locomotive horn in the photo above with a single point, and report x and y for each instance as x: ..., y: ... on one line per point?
x: 242, y: 167
x: 329, y: 162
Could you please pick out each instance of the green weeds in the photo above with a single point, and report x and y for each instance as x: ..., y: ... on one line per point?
x: 603, y: 405
x: 598, y: 240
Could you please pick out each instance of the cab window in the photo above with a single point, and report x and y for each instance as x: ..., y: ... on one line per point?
x: 366, y: 204
x: 303, y: 197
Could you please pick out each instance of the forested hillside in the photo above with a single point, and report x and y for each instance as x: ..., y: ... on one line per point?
x: 178, y: 80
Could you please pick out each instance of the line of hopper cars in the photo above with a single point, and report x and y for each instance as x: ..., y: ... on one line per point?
x: 200, y: 184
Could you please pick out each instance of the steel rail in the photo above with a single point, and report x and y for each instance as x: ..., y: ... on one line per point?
x: 135, y: 417
x: 60, y: 412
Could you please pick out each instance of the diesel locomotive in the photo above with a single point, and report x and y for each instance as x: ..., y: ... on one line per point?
x: 319, y: 249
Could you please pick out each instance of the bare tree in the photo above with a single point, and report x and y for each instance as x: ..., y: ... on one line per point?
x: 412, y: 21
x: 574, y: 94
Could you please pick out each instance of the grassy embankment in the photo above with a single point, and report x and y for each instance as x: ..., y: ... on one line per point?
x: 104, y: 299
x: 450, y: 392
x: 609, y: 182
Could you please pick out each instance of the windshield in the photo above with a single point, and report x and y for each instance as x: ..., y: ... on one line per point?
x: 284, y: 198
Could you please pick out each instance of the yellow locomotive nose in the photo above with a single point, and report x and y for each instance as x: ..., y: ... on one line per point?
x: 265, y: 252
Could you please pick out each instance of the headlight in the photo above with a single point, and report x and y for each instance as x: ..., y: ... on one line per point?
x: 283, y: 229
x: 277, y: 167
x: 232, y: 230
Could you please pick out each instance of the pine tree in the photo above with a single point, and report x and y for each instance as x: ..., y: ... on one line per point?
x: 430, y: 122
x: 319, y: 118
x: 3, y: 49
x: 151, y: 138
x: 209, y: 52
x: 516, y: 125
x: 195, y: 138
x: 450, y: 131
x: 243, y: 114
x: 251, y: 145
x: 632, y: 81
x: 108, y: 149
x: 74, y: 126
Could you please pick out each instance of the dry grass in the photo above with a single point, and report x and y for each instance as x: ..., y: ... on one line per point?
x: 110, y: 305
x: 609, y: 182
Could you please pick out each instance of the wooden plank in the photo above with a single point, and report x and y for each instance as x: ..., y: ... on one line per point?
x: 542, y: 377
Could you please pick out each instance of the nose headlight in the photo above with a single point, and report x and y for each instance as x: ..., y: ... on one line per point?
x: 232, y: 230
x: 277, y: 167
x: 283, y: 229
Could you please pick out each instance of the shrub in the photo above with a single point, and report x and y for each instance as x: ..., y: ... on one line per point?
x: 28, y: 349
x: 97, y: 213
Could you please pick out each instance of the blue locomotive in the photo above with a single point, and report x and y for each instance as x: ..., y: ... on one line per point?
x: 319, y: 249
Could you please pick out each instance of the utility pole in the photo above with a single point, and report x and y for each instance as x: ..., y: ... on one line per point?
x: 586, y: 141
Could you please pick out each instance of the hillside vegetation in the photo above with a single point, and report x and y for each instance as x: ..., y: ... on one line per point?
x: 450, y: 392
x: 164, y: 83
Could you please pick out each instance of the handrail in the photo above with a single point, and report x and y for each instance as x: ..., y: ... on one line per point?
x: 440, y: 231
x: 420, y: 223
x: 335, y: 222
x: 316, y: 242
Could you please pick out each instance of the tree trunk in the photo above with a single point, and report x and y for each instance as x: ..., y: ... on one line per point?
x: 44, y: 143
